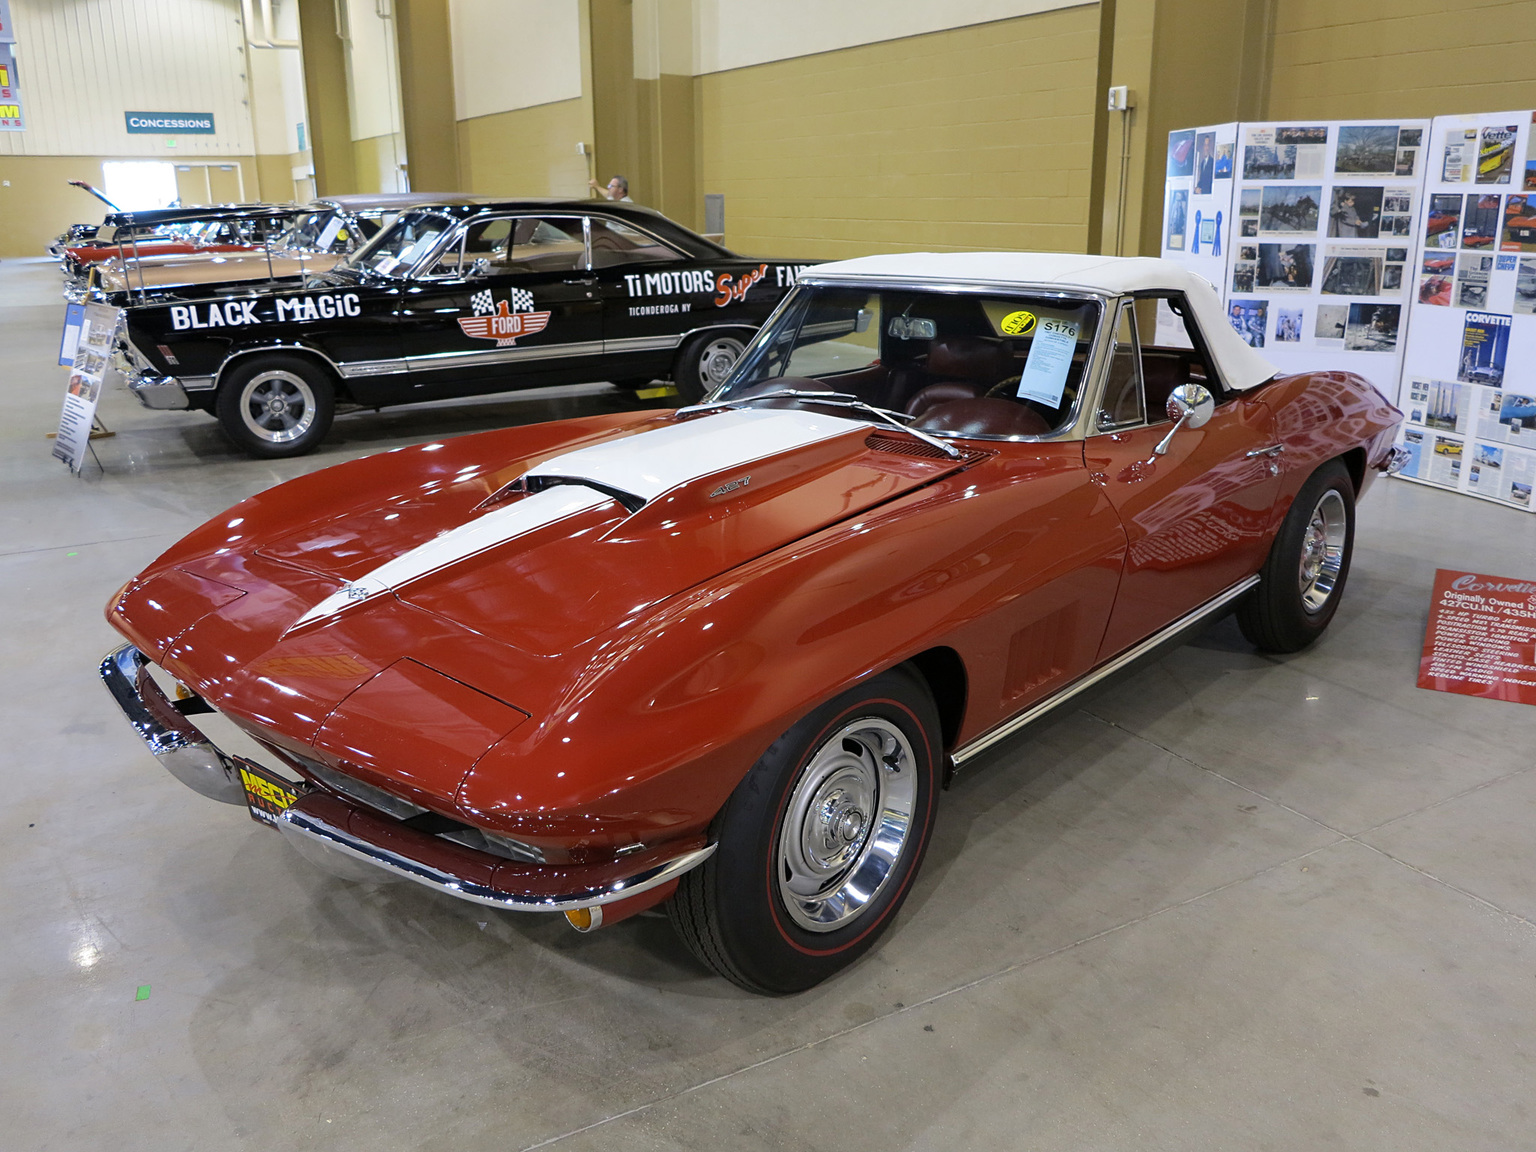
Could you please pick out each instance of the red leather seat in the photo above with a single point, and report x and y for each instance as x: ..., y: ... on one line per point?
x: 985, y: 416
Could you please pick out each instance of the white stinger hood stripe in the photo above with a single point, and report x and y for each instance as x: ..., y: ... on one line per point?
x: 646, y: 465
x: 655, y: 462
x: 496, y: 527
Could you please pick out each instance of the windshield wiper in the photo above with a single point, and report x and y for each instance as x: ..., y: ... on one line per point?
x: 835, y: 400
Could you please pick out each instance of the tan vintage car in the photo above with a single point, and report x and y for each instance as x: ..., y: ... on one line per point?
x: 321, y: 236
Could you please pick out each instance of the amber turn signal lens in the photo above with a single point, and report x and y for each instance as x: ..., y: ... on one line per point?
x: 580, y: 918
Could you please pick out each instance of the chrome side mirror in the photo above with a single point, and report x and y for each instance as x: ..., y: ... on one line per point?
x: 1188, y: 404
x: 1191, y: 404
x: 482, y: 267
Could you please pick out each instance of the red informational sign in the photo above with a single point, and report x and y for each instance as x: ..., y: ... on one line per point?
x: 1481, y: 639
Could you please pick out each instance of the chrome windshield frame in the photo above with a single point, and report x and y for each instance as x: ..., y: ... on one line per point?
x: 1085, y: 405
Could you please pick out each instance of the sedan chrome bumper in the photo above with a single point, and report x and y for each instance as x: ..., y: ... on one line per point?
x: 158, y: 392
x: 1396, y: 460
x: 353, y: 841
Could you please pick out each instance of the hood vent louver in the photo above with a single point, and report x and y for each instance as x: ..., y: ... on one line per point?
x: 632, y: 503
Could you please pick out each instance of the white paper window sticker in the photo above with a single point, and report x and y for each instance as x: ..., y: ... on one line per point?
x: 329, y: 234
x: 1050, y: 359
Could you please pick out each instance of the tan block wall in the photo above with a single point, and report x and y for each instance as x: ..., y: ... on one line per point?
x: 1341, y: 59
x: 39, y: 204
x: 978, y: 137
x: 526, y: 152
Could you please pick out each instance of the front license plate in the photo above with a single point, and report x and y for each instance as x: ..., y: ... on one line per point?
x: 266, y: 794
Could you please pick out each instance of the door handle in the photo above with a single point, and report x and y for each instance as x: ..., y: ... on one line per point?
x: 1272, y: 451
x: 586, y: 281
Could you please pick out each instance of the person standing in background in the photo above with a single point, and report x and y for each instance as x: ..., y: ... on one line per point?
x: 618, y: 189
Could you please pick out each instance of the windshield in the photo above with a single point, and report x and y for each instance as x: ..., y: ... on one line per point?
x: 984, y: 364
x: 325, y: 231
x: 396, y: 249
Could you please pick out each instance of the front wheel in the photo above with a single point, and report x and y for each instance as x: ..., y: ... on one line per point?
x: 704, y: 363
x: 276, y: 405
x: 819, y: 843
x: 1302, y: 581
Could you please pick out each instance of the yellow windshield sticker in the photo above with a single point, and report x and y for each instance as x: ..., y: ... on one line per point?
x: 1018, y: 324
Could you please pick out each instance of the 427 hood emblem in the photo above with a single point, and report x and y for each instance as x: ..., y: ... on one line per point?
x: 725, y: 489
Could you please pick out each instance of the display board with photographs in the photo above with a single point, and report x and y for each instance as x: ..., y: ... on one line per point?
x: 1326, y: 214
x: 1468, y: 391
x: 1197, y: 210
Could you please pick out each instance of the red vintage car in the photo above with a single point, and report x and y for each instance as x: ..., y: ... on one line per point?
x: 727, y: 656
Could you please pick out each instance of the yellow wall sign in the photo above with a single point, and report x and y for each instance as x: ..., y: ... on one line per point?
x: 1018, y: 324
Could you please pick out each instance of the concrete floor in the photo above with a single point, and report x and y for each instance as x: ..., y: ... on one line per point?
x: 1234, y: 903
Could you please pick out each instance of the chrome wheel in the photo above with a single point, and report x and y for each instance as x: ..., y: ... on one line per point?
x: 277, y: 406
x: 1322, y: 551
x: 716, y: 359
x: 846, y: 824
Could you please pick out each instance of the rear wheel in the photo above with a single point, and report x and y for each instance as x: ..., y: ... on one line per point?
x: 1302, y: 581
x: 276, y: 405
x: 705, y: 362
x: 820, y: 841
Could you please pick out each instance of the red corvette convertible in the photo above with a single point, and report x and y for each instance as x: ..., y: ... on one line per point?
x: 726, y: 657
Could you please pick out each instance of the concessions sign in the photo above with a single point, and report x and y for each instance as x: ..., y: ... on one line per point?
x: 92, y: 362
x: 1481, y: 639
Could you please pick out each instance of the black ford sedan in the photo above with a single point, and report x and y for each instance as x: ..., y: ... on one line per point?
x: 456, y: 300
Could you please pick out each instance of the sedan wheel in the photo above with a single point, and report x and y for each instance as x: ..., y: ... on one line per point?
x: 1303, y: 579
x: 818, y: 844
x: 705, y: 363
x: 278, y: 405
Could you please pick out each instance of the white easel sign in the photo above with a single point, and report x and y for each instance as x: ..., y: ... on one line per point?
x: 92, y: 361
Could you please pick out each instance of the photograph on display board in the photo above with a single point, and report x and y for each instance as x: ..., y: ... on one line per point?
x: 1352, y: 271
x: 1397, y: 212
x: 1224, y: 161
x: 1438, y: 279
x: 1460, y: 159
x: 1391, y: 279
x: 1519, y: 224
x: 1517, y: 413
x: 1263, y: 159
x: 1444, y: 406
x: 1178, y: 213
x: 1525, y: 288
x: 1331, y: 321
x: 1480, y: 222
x: 1284, y: 267
x: 1372, y: 327
x: 1249, y: 319
x: 1248, y: 204
x: 1288, y: 322
x: 1181, y: 154
x: 1367, y: 149
x: 1496, y: 153
x: 1472, y: 280
x: 1355, y: 213
x: 1407, y: 161
x: 1530, y: 176
x: 1442, y: 226
x: 1487, y: 468
x: 1484, y: 345
x: 1290, y: 208
x: 1205, y: 162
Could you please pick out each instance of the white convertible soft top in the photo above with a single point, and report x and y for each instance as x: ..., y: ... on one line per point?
x: 1240, y: 366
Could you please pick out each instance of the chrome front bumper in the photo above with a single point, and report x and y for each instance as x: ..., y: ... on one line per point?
x: 360, y: 844
x: 1396, y: 460
x: 162, y: 393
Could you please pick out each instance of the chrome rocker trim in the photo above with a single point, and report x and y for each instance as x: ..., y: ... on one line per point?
x: 1014, y: 724
x: 193, y: 759
x: 306, y: 827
